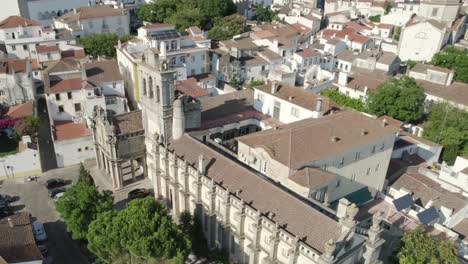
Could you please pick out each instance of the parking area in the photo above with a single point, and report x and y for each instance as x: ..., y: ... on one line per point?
x: 34, y: 199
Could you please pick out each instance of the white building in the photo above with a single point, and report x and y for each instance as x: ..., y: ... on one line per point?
x: 401, y: 12
x: 288, y: 104
x: 357, y: 7
x: 443, y: 11
x: 421, y: 38
x: 455, y: 177
x: 354, y: 147
x: 18, y: 79
x: 358, y: 84
x: 73, y: 142
x: 14, y: 165
x: 90, y: 20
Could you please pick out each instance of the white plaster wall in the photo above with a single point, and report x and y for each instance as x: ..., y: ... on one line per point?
x: 68, y: 153
x: 43, y: 10
x: 15, y: 165
x: 68, y: 104
x: 420, y: 42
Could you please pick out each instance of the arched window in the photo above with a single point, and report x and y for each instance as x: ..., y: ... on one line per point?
x: 158, y: 92
x: 150, y: 85
x: 144, y: 86
x: 173, y: 45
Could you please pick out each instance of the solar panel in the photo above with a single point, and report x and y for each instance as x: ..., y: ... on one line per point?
x: 165, y: 34
x: 427, y: 216
x: 403, y: 202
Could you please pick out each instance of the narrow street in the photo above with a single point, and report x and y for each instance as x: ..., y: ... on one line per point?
x: 46, y: 147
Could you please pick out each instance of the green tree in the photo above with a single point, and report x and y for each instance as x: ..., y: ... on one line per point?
x: 387, y: 7
x: 255, y: 83
x: 401, y: 98
x: 186, y: 18
x: 227, y: 27
x: 80, y: 205
x: 157, y: 11
x: 143, y: 229
x: 448, y: 126
x: 235, y: 82
x: 375, y: 18
x: 455, y: 59
x: 396, y: 33
x: 101, y: 44
x: 411, y: 63
x: 27, y: 126
x: 265, y: 14
x: 85, y: 176
x: 420, y: 247
x: 217, y: 8
x: 344, y: 100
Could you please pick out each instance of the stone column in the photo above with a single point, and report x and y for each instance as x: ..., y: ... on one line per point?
x: 98, y: 156
x: 113, y: 172
x: 118, y: 174
x: 374, y: 242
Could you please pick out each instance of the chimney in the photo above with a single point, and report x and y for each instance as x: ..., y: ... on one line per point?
x: 346, y: 38
x: 364, y: 132
x: 335, y: 139
x: 343, y: 204
x: 291, y: 97
x: 384, y: 122
x: 162, y: 49
x: 275, y: 43
x: 365, y: 90
x: 10, y: 223
x: 343, y: 78
x: 75, y: 11
x: 119, y: 44
x: 201, y: 164
x: 318, y: 106
x: 274, y: 87
x: 178, y: 120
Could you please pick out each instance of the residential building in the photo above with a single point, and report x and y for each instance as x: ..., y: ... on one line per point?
x: 18, y: 78
x: 400, y: 12
x: 73, y: 142
x: 455, y: 178
x: 24, y: 38
x: 357, y: 7
x: 14, y: 165
x: 354, y: 147
x: 358, y: 84
x: 421, y: 38
x: 88, y: 20
x: 288, y: 104
x: 443, y: 11
x: 18, y: 244
x: 439, y: 86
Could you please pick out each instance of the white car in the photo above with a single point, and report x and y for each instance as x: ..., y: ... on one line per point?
x: 58, y: 195
x: 39, y: 231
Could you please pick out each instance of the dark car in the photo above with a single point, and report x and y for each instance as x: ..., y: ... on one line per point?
x: 138, y: 193
x: 5, y: 209
x: 55, y: 191
x: 54, y: 183
x: 6, y: 198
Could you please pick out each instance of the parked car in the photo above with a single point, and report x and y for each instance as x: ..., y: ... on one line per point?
x: 5, y: 209
x: 52, y: 193
x: 54, y: 183
x: 39, y: 231
x: 58, y: 195
x: 7, y: 198
x: 138, y: 193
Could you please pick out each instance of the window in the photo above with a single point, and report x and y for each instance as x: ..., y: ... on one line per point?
x: 69, y: 95
x: 382, y: 147
x: 261, y: 97
x: 338, y: 182
x: 13, y: 47
x: 263, y: 166
x: 173, y: 45
x: 114, y: 85
x: 86, y: 148
x: 90, y: 24
x: 57, y: 97
x: 203, y: 57
x: 373, y: 149
x: 173, y: 61
x: 294, y: 111
x: 182, y: 59
x: 77, y: 107
x: 25, y: 47
x: 368, y: 171
x: 60, y: 109
x: 157, y: 93
x: 358, y: 155
x: 377, y: 167
x: 276, y: 110
x: 192, y: 58
x: 111, y: 100
x: 2, y: 92
x: 342, y: 161
x: 192, y: 72
x: 79, y: 149
x: 435, y: 11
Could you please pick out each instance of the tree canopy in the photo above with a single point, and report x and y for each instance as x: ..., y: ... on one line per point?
x: 227, y: 27
x: 420, y: 247
x: 101, y: 44
x: 186, y: 13
x: 400, y: 98
x: 143, y: 229
x: 265, y: 14
x: 448, y: 126
x: 344, y: 100
x: 454, y: 59
x: 80, y: 205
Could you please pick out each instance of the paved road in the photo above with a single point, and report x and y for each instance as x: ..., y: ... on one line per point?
x: 33, y: 198
x: 46, y: 147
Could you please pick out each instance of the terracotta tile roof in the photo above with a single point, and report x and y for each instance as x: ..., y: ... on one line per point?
x: 300, y: 27
x: 19, y: 111
x: 308, y: 52
x: 391, y: 121
x: 191, y: 88
x: 103, y: 71
x: 357, y: 26
x: 456, y: 92
x: 90, y: 12
x: 47, y: 48
x: 65, y: 85
x: 462, y: 229
x: 264, y: 34
x: 65, y: 130
x: 422, y: 68
x: 128, y: 122
x: 73, y: 53
x: 297, y: 96
x: 293, y: 146
x: 385, y: 26
x: 64, y: 65
x: 358, y: 38
x: 310, y: 177
x: 360, y: 80
x: 296, y: 215
x: 215, y: 107
x: 17, y: 244
x: 158, y: 25
x: 15, y: 21
x: 8, y: 65
x: 426, y: 189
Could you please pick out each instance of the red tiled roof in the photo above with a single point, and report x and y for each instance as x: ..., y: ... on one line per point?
x: 386, y: 26
x: 191, y: 88
x: 17, y: 65
x: 15, y: 21
x: 307, y: 53
x: 77, y: 53
x: 65, y: 130
x: 301, y: 27
x: 354, y: 25
x: 19, y: 111
x: 358, y: 38
x: 66, y: 85
x: 47, y: 48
